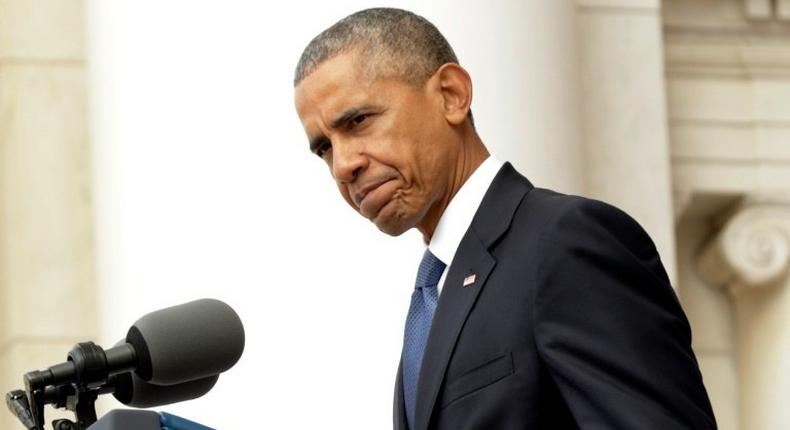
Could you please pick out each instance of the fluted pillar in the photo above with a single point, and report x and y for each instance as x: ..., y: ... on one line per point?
x: 750, y: 257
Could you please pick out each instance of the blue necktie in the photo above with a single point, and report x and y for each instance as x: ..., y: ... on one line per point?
x: 418, y: 326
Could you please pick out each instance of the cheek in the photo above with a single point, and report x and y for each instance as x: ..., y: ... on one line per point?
x: 346, y: 196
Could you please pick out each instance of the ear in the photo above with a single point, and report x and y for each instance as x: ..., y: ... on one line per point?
x: 455, y: 86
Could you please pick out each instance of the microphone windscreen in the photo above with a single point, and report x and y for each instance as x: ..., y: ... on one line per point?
x: 187, y: 342
x: 131, y: 390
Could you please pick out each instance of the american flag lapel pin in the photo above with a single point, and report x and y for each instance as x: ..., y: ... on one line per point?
x: 469, y: 280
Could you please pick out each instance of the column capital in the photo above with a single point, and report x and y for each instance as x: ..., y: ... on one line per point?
x: 753, y: 247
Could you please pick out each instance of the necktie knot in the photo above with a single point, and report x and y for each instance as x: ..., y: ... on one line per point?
x: 430, y: 271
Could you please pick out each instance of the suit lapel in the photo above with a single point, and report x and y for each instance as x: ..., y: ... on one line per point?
x: 454, y: 305
x: 472, y: 258
x: 399, y: 408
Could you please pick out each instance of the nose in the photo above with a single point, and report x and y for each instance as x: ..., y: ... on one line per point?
x: 347, y: 161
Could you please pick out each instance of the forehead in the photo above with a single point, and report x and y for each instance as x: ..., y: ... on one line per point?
x: 334, y: 84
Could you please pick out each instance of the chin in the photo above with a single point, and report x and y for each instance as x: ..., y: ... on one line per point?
x: 392, y: 230
x: 393, y: 226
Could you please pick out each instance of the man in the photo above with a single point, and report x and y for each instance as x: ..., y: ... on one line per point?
x: 532, y: 309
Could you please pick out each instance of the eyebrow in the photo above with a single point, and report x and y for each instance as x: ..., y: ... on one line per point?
x: 346, y: 116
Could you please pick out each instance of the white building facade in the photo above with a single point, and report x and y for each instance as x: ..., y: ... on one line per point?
x: 677, y: 111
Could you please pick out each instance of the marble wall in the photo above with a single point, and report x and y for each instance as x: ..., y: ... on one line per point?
x: 47, y: 297
x: 728, y: 86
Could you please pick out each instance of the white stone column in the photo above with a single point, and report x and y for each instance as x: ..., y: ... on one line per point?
x: 624, y: 114
x: 47, y: 296
x: 750, y: 257
x: 552, y: 151
x: 524, y: 60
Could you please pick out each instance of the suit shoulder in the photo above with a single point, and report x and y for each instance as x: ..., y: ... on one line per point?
x: 576, y: 217
x: 556, y: 207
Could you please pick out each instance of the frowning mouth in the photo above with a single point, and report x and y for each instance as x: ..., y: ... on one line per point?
x: 360, y: 195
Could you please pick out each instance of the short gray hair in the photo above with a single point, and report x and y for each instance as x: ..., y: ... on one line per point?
x: 393, y: 43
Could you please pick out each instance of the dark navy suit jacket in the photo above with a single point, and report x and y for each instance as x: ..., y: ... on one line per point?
x: 570, y: 323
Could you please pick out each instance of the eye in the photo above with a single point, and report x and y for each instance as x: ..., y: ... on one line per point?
x: 323, y: 148
x: 359, y: 119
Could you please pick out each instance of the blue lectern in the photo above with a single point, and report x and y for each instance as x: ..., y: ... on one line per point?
x: 130, y: 419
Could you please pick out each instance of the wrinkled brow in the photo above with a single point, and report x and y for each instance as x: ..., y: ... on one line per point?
x: 348, y: 115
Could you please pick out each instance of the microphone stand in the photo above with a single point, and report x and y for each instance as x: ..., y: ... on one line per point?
x: 73, y: 385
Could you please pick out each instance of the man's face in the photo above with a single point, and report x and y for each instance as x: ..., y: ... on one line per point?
x: 387, y: 143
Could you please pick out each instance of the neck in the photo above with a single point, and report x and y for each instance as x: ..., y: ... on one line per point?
x: 471, y: 156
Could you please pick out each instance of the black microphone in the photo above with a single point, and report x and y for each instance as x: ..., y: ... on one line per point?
x: 131, y: 390
x: 170, y: 346
x: 169, y: 355
x: 183, y: 343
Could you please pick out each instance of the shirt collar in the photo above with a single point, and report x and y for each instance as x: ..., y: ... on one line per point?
x: 457, y: 217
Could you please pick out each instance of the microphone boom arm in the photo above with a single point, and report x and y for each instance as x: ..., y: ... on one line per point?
x: 74, y: 385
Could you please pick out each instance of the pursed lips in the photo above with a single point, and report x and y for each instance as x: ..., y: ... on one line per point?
x: 360, y: 195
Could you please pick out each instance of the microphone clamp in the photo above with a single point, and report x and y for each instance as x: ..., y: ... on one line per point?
x: 76, y: 383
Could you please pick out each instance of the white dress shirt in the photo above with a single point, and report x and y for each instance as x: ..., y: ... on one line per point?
x: 457, y: 218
